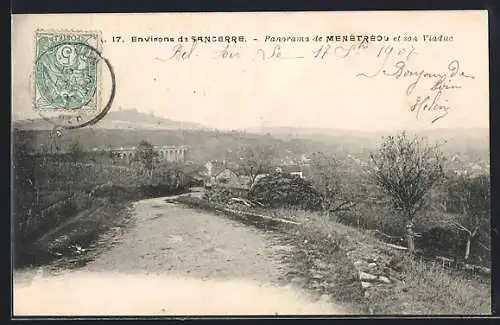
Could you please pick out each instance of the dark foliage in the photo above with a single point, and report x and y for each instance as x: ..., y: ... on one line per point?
x: 442, y: 242
x: 285, y: 190
x: 220, y: 194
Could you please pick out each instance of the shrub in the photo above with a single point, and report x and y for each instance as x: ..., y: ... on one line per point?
x: 219, y: 194
x: 441, y: 241
x: 284, y: 190
x: 373, y: 216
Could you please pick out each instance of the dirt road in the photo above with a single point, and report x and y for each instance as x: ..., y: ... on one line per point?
x: 175, y: 260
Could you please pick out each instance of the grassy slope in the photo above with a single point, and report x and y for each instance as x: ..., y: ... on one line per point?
x: 88, y: 229
x: 328, y: 251
x: 418, y: 287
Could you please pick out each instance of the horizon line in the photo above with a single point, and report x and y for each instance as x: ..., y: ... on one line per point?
x: 262, y: 128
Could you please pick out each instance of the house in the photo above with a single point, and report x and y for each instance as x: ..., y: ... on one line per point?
x: 227, y: 177
x: 294, y: 170
x: 222, y: 173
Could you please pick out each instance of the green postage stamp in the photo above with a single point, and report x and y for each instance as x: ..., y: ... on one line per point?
x: 67, y: 71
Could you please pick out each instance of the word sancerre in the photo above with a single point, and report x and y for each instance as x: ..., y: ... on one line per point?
x: 218, y: 39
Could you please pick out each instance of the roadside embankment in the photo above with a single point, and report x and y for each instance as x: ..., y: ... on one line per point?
x: 360, y: 270
x: 66, y: 228
x: 319, y: 261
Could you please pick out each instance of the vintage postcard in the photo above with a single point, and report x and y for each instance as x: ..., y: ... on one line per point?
x: 278, y: 163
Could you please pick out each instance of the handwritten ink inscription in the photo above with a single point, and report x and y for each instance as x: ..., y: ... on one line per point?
x: 227, y: 53
x: 429, y: 100
x: 180, y: 52
x: 275, y: 53
x: 426, y: 89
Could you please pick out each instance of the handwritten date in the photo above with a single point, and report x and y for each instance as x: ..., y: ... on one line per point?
x: 276, y: 53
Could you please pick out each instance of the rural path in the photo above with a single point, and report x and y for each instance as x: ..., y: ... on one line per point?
x: 176, y: 260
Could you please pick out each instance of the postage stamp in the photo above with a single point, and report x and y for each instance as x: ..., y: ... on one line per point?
x: 67, y: 70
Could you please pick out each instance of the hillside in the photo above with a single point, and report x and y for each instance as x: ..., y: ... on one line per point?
x: 327, y: 132
x: 204, y: 145
x: 129, y: 119
x: 473, y: 142
x: 129, y: 127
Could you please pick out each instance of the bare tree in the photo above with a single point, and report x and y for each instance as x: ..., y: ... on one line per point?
x: 406, y: 169
x: 256, y: 159
x: 326, y: 181
x: 469, y: 200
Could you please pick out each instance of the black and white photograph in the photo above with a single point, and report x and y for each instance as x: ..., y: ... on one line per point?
x: 258, y: 163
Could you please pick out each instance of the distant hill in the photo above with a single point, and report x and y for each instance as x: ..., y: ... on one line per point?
x: 457, y: 140
x: 120, y: 120
x: 304, y: 132
x: 435, y: 133
x: 129, y: 127
x: 204, y: 144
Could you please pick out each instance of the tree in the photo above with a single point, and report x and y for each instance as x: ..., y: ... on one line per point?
x: 76, y: 150
x: 469, y: 199
x: 326, y: 181
x: 177, y: 173
x: 145, y: 154
x: 256, y: 159
x: 406, y: 169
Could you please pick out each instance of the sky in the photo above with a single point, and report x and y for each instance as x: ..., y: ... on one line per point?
x: 249, y: 91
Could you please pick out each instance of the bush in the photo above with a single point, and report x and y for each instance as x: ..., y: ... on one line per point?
x: 450, y: 243
x: 284, y: 190
x: 372, y: 216
x: 220, y: 194
x: 441, y: 241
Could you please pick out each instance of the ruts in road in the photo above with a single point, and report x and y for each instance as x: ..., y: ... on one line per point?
x: 173, y: 260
